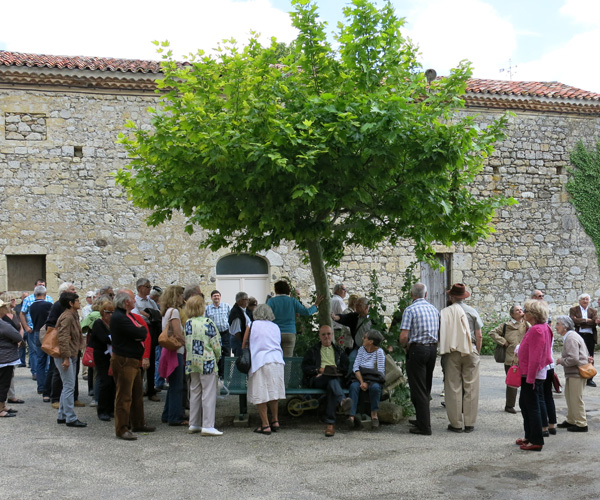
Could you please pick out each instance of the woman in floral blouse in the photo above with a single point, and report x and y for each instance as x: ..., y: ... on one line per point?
x: 203, y: 348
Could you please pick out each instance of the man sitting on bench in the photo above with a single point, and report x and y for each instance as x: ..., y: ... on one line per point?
x: 325, y: 366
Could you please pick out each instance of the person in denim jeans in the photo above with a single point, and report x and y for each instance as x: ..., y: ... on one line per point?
x: 370, y: 356
x: 39, y: 313
x: 70, y: 342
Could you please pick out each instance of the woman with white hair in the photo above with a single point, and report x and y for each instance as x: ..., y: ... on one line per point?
x: 265, y: 378
x: 573, y: 355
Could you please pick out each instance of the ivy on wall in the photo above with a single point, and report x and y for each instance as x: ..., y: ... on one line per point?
x: 584, y: 188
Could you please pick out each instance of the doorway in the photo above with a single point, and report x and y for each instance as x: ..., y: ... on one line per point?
x: 243, y: 273
x: 438, y: 281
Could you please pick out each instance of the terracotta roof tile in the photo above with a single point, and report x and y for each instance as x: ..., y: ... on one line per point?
x: 478, y: 90
x: 78, y: 62
x: 553, y: 90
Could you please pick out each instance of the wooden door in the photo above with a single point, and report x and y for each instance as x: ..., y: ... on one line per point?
x: 438, y: 280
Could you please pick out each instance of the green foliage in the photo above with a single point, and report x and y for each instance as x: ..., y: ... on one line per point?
x: 487, y: 344
x: 584, y: 188
x: 346, y: 145
x: 391, y: 343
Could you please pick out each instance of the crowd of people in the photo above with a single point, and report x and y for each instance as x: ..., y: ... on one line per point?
x: 152, y: 340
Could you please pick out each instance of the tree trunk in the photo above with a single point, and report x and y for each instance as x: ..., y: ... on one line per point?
x: 315, y: 254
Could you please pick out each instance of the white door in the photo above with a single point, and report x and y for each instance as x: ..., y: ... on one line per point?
x: 255, y: 285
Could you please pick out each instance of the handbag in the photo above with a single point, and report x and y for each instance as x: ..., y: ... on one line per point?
x: 513, y: 377
x: 587, y: 371
x: 50, y: 343
x: 88, y: 357
x: 371, y: 375
x: 243, y: 362
x: 166, y: 341
x: 500, y: 350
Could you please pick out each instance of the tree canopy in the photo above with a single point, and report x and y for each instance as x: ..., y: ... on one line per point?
x: 333, y: 145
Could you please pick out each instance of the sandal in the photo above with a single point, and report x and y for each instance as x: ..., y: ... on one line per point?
x: 275, y: 428
x: 46, y: 399
x: 10, y: 410
x: 15, y: 401
x: 6, y: 414
x: 182, y: 423
x: 263, y: 430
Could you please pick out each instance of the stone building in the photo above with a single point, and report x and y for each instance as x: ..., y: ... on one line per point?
x: 64, y: 218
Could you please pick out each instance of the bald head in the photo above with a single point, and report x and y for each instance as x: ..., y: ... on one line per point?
x: 326, y: 335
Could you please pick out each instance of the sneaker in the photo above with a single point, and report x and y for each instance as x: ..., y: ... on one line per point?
x: 79, y: 404
x: 93, y: 404
x: 55, y: 405
x: 211, y: 431
x: 193, y: 429
x: 442, y: 394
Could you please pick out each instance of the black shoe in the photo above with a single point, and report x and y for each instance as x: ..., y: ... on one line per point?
x: 76, y: 423
x: 104, y: 417
x: 469, y: 428
x: 591, y: 383
x: 575, y: 428
x: 510, y: 409
x: 61, y: 421
x: 565, y: 425
x: 552, y: 430
x: 416, y: 430
x: 413, y: 422
x: 546, y: 434
x: 454, y: 429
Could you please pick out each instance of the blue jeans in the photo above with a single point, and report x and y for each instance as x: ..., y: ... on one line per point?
x: 335, y: 394
x: 42, y: 363
x: 33, y: 352
x: 173, y: 410
x: 374, y: 396
x: 158, y: 380
x: 236, y: 346
x: 23, y: 350
x: 66, y: 409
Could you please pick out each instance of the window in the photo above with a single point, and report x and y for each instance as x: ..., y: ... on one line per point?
x: 242, y: 264
x: 23, y: 270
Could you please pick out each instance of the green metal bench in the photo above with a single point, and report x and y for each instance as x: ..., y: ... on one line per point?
x: 304, y: 398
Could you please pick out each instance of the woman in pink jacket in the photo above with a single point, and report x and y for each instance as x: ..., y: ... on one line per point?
x: 534, y: 356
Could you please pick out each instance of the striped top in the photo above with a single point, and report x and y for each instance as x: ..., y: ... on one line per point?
x: 375, y: 359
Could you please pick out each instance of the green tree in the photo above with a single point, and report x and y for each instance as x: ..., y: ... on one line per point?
x: 328, y: 147
x: 584, y: 188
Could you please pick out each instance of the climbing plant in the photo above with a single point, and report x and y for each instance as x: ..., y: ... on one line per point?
x: 584, y: 188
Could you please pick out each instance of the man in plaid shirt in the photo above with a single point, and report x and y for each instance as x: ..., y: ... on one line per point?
x: 419, y: 336
x: 218, y: 312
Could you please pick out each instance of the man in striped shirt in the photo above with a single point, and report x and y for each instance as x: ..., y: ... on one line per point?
x: 419, y: 332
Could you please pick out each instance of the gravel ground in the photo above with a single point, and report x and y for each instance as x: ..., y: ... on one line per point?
x: 46, y: 460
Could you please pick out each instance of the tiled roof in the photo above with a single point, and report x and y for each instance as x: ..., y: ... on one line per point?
x: 138, y: 75
x: 553, y: 90
x: 78, y: 62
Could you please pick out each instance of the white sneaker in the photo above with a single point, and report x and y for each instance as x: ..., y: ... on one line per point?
x: 211, y: 432
x: 193, y: 429
x: 93, y: 404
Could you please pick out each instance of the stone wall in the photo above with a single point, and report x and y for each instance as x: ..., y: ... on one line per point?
x: 60, y: 200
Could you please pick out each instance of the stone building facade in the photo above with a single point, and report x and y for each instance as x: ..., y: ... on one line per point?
x: 60, y: 118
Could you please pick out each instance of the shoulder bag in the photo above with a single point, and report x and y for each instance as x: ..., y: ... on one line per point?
x: 166, y: 339
x: 500, y: 350
x: 88, y: 357
x: 243, y: 363
x: 587, y: 371
x: 50, y: 343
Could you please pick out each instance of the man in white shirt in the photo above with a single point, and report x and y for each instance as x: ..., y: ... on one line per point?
x: 338, y: 306
x: 87, y: 309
